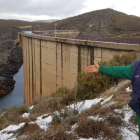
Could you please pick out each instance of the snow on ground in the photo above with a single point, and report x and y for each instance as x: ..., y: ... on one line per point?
x: 30, y: 108
x: 12, y: 128
x: 106, y: 100
x: 6, y: 134
x: 81, y: 106
x: 2, y: 114
x: 109, y: 104
x: 95, y: 118
x: 87, y: 139
x: 128, y: 89
x: 128, y: 135
x: 25, y: 115
x: 127, y: 113
x: 44, y: 121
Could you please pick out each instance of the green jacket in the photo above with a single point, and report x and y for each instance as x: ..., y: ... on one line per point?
x: 124, y: 72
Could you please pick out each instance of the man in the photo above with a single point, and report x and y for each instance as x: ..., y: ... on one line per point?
x: 131, y: 72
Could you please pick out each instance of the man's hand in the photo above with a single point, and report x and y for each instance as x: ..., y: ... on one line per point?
x: 93, y: 68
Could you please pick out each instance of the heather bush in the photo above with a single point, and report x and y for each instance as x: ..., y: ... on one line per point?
x: 65, y: 96
x: 90, y: 85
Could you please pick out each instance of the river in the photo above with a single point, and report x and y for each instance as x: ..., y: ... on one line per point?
x: 16, y: 96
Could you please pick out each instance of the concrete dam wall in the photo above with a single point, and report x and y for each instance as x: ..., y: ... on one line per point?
x: 51, y: 63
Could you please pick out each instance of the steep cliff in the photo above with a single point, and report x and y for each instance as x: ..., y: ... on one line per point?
x: 10, y: 62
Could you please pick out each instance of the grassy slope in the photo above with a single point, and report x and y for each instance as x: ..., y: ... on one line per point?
x: 113, y: 116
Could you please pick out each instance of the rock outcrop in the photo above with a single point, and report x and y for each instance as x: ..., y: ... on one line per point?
x: 6, y: 85
x: 10, y: 62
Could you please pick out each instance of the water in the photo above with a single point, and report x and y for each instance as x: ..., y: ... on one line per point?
x: 16, y: 97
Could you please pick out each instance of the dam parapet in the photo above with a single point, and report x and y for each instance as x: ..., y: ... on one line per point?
x: 52, y: 62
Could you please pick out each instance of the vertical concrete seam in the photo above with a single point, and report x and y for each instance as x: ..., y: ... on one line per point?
x: 26, y: 72
x: 62, y: 63
x: 29, y: 71
x: 79, y: 58
x: 40, y: 70
x: 56, y: 67
x: 34, y: 74
x: 91, y: 55
x: 32, y: 70
x: 101, y: 54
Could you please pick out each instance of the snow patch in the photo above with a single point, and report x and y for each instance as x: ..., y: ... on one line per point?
x: 74, y: 126
x: 12, y: 128
x: 2, y: 114
x: 118, y: 110
x: 128, y: 135
x: 4, y: 133
x: 6, y: 136
x: 81, y: 106
x: 128, y: 89
x: 30, y: 108
x: 87, y: 139
x: 44, y: 123
x: 106, y: 100
x: 95, y: 118
x: 25, y: 115
x: 109, y: 104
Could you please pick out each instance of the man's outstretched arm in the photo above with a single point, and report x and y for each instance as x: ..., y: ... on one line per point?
x: 124, y: 72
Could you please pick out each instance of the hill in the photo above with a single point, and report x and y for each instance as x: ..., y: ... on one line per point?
x: 47, y: 21
x: 102, y: 23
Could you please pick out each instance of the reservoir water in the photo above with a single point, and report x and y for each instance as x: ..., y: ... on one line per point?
x: 16, y: 97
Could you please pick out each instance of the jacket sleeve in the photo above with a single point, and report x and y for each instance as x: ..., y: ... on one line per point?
x: 124, y: 72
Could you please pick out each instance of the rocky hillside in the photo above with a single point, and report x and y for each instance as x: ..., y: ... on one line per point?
x: 10, y: 52
x: 10, y: 62
x: 100, y: 23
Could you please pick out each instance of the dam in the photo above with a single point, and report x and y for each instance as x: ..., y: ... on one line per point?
x: 52, y: 62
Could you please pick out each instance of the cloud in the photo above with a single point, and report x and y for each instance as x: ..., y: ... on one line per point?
x: 52, y: 8
x: 59, y: 9
x: 126, y: 6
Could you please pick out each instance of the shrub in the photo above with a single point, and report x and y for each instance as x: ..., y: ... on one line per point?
x: 65, y: 96
x: 88, y: 128
x: 64, y: 114
x: 114, y: 120
x: 58, y: 134
x: 13, y: 115
x: 29, y: 132
x: 44, y: 105
x: 90, y: 85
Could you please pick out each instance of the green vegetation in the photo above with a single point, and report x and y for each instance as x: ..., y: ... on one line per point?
x: 90, y: 85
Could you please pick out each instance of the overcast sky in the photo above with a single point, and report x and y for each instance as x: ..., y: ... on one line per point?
x: 31, y: 10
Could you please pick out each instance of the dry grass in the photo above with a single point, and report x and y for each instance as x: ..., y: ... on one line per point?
x: 29, y: 131
x: 113, y: 120
x: 133, y: 119
x: 64, y: 120
x: 67, y: 116
x: 88, y: 128
x: 59, y: 133
x: 12, y: 116
x: 44, y: 106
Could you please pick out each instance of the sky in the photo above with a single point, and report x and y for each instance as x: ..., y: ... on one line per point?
x: 31, y: 10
